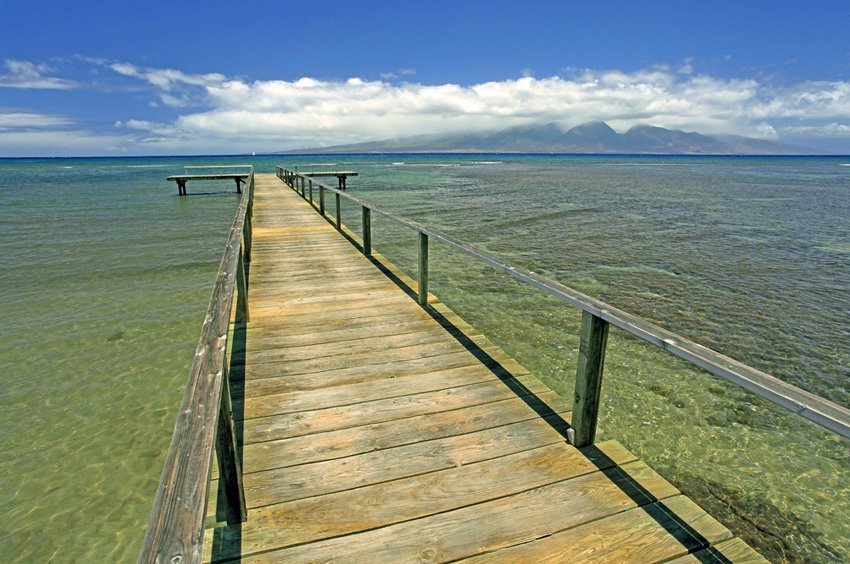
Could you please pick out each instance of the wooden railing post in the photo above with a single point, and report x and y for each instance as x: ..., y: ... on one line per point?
x: 246, y: 237
x: 591, y: 359
x: 367, y: 231
x: 338, y: 212
x: 311, y: 191
x: 229, y: 465
x: 321, y: 199
x: 423, y: 269
x: 303, y: 188
x: 242, y: 288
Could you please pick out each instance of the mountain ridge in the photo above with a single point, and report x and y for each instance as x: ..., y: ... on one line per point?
x: 593, y: 137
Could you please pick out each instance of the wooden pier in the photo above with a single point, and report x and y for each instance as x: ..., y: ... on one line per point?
x: 366, y: 422
x: 354, y: 417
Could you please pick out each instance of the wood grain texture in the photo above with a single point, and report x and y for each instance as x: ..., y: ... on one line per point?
x: 588, y: 386
x: 732, y: 550
x: 635, y: 535
x: 469, y: 530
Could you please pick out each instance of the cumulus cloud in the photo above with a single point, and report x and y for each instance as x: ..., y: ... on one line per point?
x: 176, y: 88
x: 310, y: 111
x: 26, y: 74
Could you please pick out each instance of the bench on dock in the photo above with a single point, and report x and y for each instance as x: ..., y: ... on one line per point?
x: 341, y: 175
x: 212, y: 173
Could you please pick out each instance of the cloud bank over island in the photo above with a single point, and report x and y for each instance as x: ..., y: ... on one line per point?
x: 180, y: 112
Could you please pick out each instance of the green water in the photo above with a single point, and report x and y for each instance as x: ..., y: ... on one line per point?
x: 108, y: 274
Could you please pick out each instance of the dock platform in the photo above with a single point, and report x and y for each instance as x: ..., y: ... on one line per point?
x: 373, y: 429
x: 341, y: 175
x: 182, y: 179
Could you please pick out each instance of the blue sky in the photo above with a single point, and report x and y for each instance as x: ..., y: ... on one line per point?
x: 108, y: 78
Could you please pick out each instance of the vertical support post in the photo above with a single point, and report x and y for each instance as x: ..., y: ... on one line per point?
x: 242, y: 288
x: 229, y: 465
x: 591, y: 358
x: 367, y: 231
x: 311, y: 191
x: 338, y: 212
x: 321, y: 199
x: 423, y: 269
x: 246, y: 236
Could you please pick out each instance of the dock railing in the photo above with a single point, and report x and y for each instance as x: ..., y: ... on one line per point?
x: 205, y: 421
x: 596, y: 317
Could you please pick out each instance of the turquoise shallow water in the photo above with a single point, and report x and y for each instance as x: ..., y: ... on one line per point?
x: 108, y: 274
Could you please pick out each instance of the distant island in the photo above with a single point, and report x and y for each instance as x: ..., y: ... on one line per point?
x: 595, y: 137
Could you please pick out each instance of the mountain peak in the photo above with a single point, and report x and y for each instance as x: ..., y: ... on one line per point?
x: 592, y: 129
x: 590, y: 137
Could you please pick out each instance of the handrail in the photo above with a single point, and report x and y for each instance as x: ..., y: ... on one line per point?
x: 205, y: 420
x: 824, y: 412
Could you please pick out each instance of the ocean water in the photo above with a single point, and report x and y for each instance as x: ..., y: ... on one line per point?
x: 108, y: 274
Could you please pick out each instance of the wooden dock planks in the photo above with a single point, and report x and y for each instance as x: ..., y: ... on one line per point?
x: 370, y: 432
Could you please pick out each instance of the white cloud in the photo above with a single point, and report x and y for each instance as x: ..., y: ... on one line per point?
x: 167, y: 79
x: 828, y: 130
x: 310, y: 111
x: 26, y: 74
x: 30, y: 120
x: 176, y: 88
x: 49, y: 143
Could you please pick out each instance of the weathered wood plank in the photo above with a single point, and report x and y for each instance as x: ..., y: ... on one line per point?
x: 336, y: 316
x: 648, y: 534
x: 467, y: 530
x: 378, y: 436
x: 353, y: 374
x: 732, y: 550
x: 299, y: 482
x: 260, y: 405
x: 354, y: 361
x: 333, y: 336
x: 327, y: 351
x: 266, y: 311
x: 306, y: 423
x: 383, y: 504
